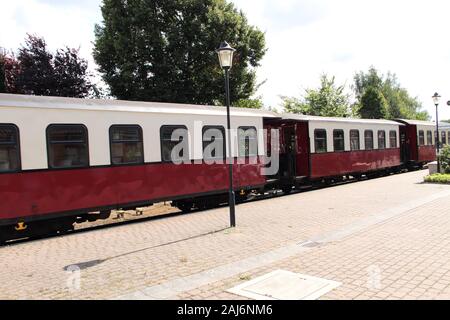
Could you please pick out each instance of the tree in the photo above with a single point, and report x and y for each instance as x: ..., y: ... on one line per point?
x: 71, y: 75
x: 36, y: 71
x: 163, y: 50
x: 9, y: 70
x: 36, y: 74
x: 329, y: 100
x: 42, y: 73
x: 372, y: 105
x: 256, y: 103
x: 388, y: 96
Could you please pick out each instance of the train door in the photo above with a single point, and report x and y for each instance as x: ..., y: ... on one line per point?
x: 302, y: 169
x: 288, y: 159
x: 404, y: 145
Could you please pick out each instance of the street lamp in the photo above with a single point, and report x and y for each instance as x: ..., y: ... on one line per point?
x: 225, y: 53
x: 436, y: 97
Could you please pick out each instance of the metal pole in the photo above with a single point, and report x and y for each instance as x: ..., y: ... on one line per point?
x: 230, y: 157
x: 437, y: 141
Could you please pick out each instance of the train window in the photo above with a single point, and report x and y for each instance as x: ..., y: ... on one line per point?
x: 444, y: 137
x: 9, y: 148
x: 421, y: 138
x: 429, y: 138
x: 338, y: 140
x: 247, y: 141
x: 392, y: 139
x: 126, y: 144
x: 381, y: 139
x: 320, y: 140
x: 368, y: 139
x: 214, y: 142
x: 67, y: 146
x: 435, y: 137
x: 174, y: 143
x: 354, y: 140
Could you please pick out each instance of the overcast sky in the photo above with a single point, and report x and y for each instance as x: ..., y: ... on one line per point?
x: 305, y: 38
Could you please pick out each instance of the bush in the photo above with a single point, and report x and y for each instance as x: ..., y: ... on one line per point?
x: 444, y: 158
x: 438, y: 178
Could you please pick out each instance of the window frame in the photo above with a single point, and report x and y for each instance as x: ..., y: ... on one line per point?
x: 334, y: 140
x: 245, y: 128
x: 423, y: 136
x: 220, y: 128
x: 359, y: 140
x: 86, y: 131
x: 365, y: 141
x: 173, y: 126
x: 429, y: 141
x: 378, y: 139
x: 326, y: 140
x: 111, y: 142
x: 17, y: 147
x: 396, y: 140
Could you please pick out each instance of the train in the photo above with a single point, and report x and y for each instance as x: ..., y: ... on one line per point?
x: 67, y: 160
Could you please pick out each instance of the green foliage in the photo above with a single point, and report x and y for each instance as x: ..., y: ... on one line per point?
x: 164, y: 50
x: 383, y: 97
x: 36, y: 71
x: 438, y: 178
x: 372, y: 104
x: 256, y: 103
x: 444, y: 159
x: 328, y: 100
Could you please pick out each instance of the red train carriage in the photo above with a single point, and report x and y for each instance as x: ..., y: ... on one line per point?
x: 314, y: 148
x: 63, y: 158
x: 420, y: 141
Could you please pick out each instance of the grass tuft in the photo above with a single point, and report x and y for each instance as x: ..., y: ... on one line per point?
x: 438, y: 178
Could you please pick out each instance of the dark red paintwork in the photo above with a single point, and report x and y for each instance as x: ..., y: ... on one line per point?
x: 303, y: 149
x: 412, y: 151
x: 340, y: 163
x: 426, y: 153
x: 45, y: 192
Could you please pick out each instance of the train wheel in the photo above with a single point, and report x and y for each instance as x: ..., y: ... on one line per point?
x: 185, y: 206
x: 286, y: 189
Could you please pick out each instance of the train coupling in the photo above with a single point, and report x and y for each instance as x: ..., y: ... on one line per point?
x: 242, y: 193
x: 21, y: 226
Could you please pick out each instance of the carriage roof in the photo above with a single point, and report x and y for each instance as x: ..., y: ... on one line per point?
x: 28, y: 101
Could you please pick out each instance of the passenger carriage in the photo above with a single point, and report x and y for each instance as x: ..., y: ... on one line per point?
x: 316, y: 148
x: 65, y: 160
x: 420, y: 140
x: 62, y: 158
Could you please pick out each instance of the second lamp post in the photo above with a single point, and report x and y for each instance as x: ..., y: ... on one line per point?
x: 225, y: 53
x: 436, y: 97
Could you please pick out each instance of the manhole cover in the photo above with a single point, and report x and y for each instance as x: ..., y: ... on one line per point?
x: 285, y: 285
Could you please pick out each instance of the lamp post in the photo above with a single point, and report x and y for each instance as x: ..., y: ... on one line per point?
x: 436, y: 97
x: 225, y: 53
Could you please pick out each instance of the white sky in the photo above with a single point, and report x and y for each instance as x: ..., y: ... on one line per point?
x: 305, y: 38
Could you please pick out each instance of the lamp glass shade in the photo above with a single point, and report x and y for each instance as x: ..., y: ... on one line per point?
x: 225, y: 53
x: 225, y: 58
x: 436, y: 98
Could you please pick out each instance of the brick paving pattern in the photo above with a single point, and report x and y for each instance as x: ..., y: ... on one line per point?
x: 405, y: 256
